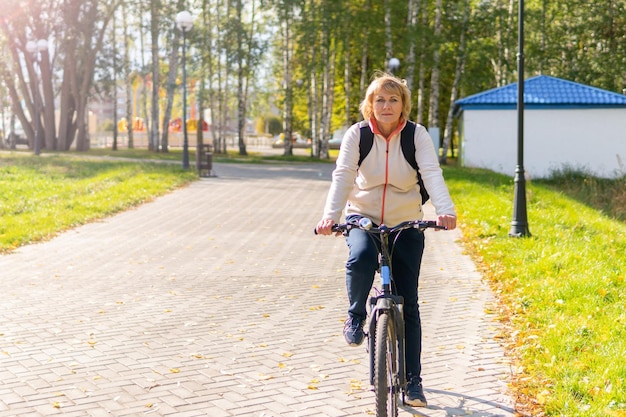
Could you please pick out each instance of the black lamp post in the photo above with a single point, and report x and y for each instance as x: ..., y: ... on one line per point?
x: 35, y: 48
x: 184, y: 21
x: 519, y: 225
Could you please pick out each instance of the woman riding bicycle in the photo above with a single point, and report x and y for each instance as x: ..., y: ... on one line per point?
x: 384, y: 188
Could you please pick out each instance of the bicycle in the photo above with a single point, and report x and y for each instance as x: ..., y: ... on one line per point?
x: 386, y: 338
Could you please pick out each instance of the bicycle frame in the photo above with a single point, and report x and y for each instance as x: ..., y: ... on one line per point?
x: 390, y: 304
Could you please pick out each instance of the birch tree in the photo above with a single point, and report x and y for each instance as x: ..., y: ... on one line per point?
x: 413, y: 41
x: 128, y: 78
x: 433, y: 107
x: 155, y: 6
x: 460, y: 65
x: 285, y: 8
x: 421, y: 93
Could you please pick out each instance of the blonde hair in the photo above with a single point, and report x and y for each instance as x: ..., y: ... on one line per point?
x: 391, y: 84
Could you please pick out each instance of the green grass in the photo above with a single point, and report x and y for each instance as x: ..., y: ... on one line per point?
x: 562, y: 290
x: 42, y: 196
x: 138, y: 153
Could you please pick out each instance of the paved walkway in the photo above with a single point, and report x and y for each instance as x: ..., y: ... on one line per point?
x: 218, y: 300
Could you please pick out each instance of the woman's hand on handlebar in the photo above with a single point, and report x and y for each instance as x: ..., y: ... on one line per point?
x: 324, y: 227
x: 447, y: 220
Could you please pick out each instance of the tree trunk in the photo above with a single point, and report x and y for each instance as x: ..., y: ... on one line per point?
x: 328, y: 55
x: 67, y: 106
x: 48, y: 102
x: 460, y: 65
x: 241, y: 99
x: 154, y: 36
x: 364, y: 53
x: 388, y: 39
x: 312, y: 91
x: 287, y: 88
x: 422, y: 72
x: 413, y: 14
x: 347, y: 74
x: 128, y: 82
x: 433, y: 108
x: 143, y: 78
x: 115, y: 120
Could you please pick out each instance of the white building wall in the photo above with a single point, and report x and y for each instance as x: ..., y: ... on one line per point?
x: 490, y: 140
x: 589, y: 139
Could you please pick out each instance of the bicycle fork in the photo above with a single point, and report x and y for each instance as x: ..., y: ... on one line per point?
x: 393, y: 306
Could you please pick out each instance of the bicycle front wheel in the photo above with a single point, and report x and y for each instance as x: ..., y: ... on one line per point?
x: 385, y: 367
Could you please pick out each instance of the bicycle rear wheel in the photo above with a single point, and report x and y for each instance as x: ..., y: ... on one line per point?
x: 385, y: 367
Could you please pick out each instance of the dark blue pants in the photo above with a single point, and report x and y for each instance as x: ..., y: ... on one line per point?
x: 406, y: 260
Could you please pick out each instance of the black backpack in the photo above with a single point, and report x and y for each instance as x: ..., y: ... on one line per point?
x: 407, y: 141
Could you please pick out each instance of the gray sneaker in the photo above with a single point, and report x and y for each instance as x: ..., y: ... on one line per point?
x: 414, y: 394
x: 353, y: 331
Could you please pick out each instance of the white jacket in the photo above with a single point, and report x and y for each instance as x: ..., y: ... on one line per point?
x: 384, y: 188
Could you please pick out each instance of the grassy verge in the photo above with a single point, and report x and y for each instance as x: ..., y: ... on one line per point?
x: 43, y: 196
x: 562, y: 291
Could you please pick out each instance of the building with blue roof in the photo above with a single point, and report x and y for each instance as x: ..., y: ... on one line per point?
x: 566, y: 125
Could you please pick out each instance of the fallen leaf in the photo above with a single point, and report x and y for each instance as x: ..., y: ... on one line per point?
x: 356, y: 385
x: 174, y: 370
x: 56, y: 404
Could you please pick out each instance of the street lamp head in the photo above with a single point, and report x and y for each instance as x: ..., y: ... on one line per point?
x: 31, y: 47
x: 184, y: 21
x: 42, y: 45
x: 394, y: 64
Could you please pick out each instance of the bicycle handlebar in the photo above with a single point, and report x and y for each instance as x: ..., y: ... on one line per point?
x: 366, y: 224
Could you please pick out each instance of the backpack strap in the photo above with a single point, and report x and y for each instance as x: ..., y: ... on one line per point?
x: 407, y: 142
x: 366, y: 142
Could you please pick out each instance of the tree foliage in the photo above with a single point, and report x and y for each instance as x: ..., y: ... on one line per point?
x: 307, y: 61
